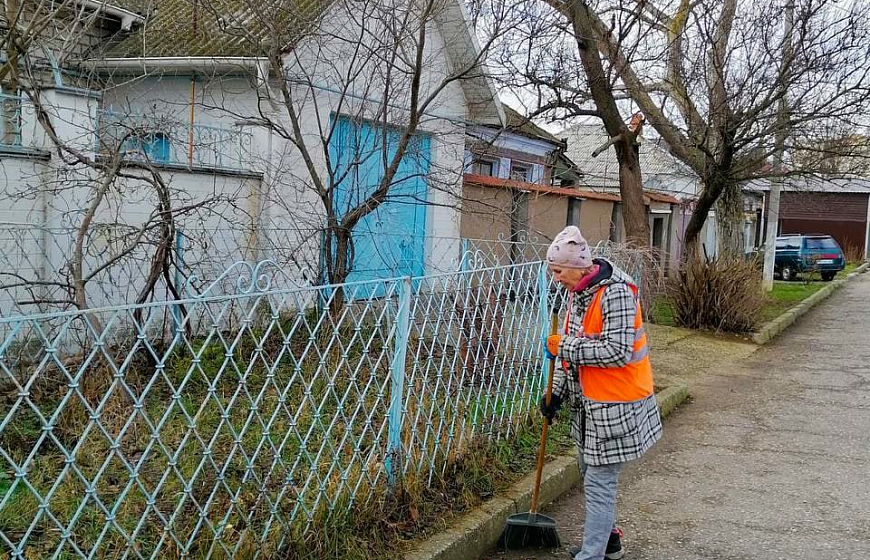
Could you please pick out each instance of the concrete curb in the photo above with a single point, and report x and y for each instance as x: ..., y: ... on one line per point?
x: 860, y: 270
x: 672, y: 397
x: 477, y: 532
x: 772, y: 328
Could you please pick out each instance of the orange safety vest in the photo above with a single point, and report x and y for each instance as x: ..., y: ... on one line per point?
x: 629, y: 383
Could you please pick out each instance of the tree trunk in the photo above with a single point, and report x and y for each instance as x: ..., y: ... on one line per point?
x: 630, y: 179
x: 729, y: 214
x: 631, y: 190
x: 713, y: 187
x: 340, y: 257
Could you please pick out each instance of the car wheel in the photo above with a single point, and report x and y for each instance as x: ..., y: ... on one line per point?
x: 828, y: 276
x: 787, y: 273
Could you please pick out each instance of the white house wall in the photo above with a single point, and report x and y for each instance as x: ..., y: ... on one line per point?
x: 274, y: 197
x: 444, y: 121
x: 219, y: 100
x: 20, y: 245
x: 288, y: 202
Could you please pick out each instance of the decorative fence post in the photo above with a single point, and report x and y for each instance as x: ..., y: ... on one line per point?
x: 179, y: 277
x: 544, y: 314
x: 397, y: 380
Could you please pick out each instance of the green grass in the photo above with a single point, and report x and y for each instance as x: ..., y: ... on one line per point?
x: 850, y: 267
x: 786, y: 295
x: 661, y: 312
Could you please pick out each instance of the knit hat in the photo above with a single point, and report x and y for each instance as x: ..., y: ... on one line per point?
x: 569, y: 249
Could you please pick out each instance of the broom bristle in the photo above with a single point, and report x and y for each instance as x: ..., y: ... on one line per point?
x: 517, y: 536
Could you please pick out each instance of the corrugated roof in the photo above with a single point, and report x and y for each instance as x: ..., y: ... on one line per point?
x: 661, y: 197
x: 603, y: 171
x: 849, y: 185
x: 215, y: 27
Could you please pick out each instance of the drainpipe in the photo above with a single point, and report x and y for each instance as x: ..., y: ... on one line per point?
x: 192, y: 118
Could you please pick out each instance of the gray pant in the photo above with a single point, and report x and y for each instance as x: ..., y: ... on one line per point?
x: 599, y: 487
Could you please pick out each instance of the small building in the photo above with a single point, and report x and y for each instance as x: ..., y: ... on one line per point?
x: 521, y: 185
x: 839, y: 207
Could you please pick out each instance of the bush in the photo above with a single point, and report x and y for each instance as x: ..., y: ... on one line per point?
x: 853, y: 254
x: 722, y: 294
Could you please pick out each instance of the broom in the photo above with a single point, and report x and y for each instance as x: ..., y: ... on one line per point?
x: 533, y: 530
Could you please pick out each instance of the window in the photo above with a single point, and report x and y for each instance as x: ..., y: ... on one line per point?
x: 658, y: 232
x: 821, y: 243
x: 153, y: 146
x: 521, y: 173
x: 10, y: 119
x: 483, y: 167
x: 788, y: 243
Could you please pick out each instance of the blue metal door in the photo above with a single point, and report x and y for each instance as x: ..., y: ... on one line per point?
x: 389, y: 241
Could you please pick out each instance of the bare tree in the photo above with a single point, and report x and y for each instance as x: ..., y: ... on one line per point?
x: 714, y: 96
x: 96, y: 168
x: 841, y: 151
x: 555, y: 55
x: 365, y: 105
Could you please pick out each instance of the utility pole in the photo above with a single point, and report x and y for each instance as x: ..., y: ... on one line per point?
x: 781, y: 133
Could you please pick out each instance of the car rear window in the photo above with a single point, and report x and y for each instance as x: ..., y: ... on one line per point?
x: 821, y: 243
x: 783, y: 243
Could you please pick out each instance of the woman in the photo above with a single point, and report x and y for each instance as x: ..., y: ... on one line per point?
x: 603, y: 371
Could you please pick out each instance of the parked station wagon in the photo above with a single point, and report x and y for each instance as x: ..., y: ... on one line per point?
x: 797, y: 254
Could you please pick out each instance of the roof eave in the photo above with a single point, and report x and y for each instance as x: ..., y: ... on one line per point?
x: 127, y: 17
x: 141, y: 66
x: 484, y: 106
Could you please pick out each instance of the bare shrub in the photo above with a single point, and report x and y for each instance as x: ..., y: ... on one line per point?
x: 853, y: 253
x: 722, y: 294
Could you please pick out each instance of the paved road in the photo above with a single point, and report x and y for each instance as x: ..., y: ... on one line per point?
x: 771, y: 460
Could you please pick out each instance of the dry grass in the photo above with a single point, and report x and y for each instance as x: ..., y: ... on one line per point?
x: 853, y: 253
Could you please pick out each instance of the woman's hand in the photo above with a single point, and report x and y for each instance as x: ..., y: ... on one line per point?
x: 551, y: 345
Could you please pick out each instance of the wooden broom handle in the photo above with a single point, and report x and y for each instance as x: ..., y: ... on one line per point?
x: 542, y: 450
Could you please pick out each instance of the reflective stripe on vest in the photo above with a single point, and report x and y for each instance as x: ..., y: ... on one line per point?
x: 629, y: 383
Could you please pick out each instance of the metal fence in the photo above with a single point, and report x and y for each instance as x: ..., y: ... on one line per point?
x: 216, y: 426
x: 36, y: 261
x: 169, y: 140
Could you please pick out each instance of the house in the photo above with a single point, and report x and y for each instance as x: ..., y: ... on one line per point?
x: 521, y: 185
x: 192, y: 94
x: 836, y: 206
x: 506, y: 169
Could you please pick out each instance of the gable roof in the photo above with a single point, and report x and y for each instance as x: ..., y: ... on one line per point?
x: 224, y: 28
x: 189, y: 33
x: 520, y: 124
x: 603, y: 170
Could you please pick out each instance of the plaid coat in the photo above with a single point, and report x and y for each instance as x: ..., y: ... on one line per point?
x: 605, y: 432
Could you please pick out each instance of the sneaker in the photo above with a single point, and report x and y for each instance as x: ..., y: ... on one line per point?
x: 614, y: 549
x: 614, y: 545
